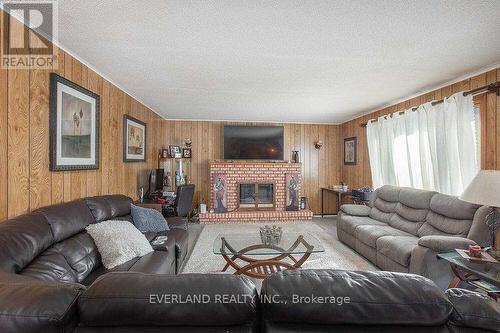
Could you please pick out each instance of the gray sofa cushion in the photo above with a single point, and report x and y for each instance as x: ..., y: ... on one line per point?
x: 356, y: 210
x: 418, y: 199
x: 452, y: 207
x: 437, y: 224
x: 350, y: 223
x: 368, y: 234
x: 445, y: 243
x: 397, y: 248
x: 389, y: 193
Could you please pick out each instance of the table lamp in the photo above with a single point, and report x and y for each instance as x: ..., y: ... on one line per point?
x: 485, y: 190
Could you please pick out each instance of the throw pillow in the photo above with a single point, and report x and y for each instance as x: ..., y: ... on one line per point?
x: 118, y: 242
x: 148, y: 219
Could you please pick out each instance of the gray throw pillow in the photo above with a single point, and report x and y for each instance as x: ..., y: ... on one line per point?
x: 148, y: 219
x: 118, y: 242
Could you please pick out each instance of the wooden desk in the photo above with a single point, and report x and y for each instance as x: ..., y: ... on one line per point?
x: 338, y: 194
x: 149, y: 204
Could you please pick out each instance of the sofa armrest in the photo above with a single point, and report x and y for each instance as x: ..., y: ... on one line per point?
x: 356, y: 210
x: 168, y: 300
x: 472, y: 309
x: 445, y: 243
x: 37, y: 306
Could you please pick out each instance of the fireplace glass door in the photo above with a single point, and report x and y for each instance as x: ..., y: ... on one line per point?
x: 256, y: 196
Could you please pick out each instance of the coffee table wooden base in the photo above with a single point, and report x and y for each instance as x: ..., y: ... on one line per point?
x: 261, y: 268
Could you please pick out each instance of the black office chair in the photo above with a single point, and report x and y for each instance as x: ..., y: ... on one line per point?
x: 183, y: 205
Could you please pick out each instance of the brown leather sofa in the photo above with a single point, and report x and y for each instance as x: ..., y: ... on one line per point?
x: 51, y: 280
x: 51, y: 243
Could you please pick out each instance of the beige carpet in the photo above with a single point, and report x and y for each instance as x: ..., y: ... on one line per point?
x: 336, y: 255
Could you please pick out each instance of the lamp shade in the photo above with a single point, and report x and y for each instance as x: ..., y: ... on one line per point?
x: 484, y: 189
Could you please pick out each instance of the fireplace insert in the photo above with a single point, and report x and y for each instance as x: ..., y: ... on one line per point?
x: 256, y: 196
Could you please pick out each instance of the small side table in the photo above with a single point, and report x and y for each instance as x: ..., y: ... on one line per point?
x: 472, y: 272
x: 149, y: 204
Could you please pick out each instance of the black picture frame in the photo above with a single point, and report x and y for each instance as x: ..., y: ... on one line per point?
x: 351, y: 148
x: 55, y: 161
x: 187, y: 152
x: 174, y: 149
x: 126, y: 157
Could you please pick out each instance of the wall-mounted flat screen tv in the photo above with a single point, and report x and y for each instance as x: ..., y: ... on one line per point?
x: 253, y: 142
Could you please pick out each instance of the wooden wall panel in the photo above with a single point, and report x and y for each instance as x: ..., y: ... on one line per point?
x: 360, y: 175
x: 3, y: 143
x: 25, y: 180
x: 320, y: 167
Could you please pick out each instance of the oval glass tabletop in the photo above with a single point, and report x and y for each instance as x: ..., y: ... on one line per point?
x: 251, y: 244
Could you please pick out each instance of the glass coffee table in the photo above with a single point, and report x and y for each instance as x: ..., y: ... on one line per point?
x: 248, y: 255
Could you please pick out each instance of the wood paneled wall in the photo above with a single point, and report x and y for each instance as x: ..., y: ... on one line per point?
x: 319, y: 167
x: 360, y: 175
x: 25, y: 180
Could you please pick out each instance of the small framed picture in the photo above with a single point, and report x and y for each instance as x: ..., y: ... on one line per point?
x: 74, y: 126
x: 164, y: 153
x: 350, y: 151
x: 134, y: 140
x: 186, y: 152
x: 174, y: 150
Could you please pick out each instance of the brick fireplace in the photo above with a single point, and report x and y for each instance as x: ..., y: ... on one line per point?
x: 255, y: 192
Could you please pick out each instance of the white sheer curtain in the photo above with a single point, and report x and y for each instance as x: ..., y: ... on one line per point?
x: 432, y: 148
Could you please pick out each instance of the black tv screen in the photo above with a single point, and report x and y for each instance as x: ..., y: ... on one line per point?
x: 253, y: 142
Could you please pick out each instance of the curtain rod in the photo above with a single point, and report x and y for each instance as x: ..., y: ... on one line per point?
x: 494, y: 87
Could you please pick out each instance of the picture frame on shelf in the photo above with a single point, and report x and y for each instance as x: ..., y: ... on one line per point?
x: 164, y: 153
x: 134, y: 139
x: 174, y: 150
x: 350, y: 150
x: 186, y: 152
x: 74, y: 126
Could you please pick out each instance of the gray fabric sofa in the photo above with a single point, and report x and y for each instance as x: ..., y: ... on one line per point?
x: 403, y: 229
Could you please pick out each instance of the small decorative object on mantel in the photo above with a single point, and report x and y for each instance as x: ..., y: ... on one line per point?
x: 134, y: 140
x: 186, y: 152
x: 188, y: 142
x: 292, y: 191
x: 74, y: 126
x: 220, y: 197
x: 270, y: 235
x: 318, y: 144
x: 164, y: 153
x: 350, y: 151
x: 295, y: 156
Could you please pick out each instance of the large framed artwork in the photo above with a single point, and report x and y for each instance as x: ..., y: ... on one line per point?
x: 74, y: 126
x: 292, y: 191
x: 219, y: 182
x: 134, y: 140
x: 350, y: 151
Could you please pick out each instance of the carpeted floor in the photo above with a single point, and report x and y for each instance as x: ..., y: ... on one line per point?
x: 336, y: 255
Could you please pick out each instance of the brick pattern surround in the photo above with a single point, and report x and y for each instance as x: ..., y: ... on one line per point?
x: 254, y: 172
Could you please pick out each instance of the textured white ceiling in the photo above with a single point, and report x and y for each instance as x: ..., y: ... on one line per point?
x: 290, y: 61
